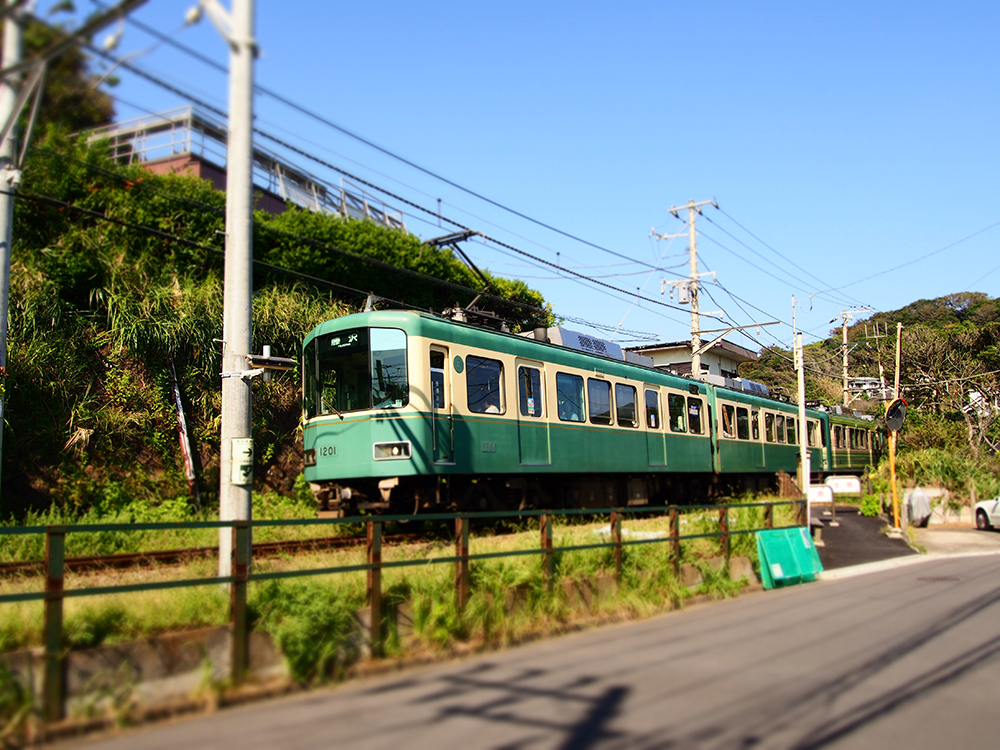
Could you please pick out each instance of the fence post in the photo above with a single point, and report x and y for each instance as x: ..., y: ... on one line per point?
x: 238, y: 601
x: 724, y: 530
x: 462, y: 565
x: 616, y: 538
x: 55, y: 660
x: 769, y: 516
x: 675, y: 536
x: 546, y: 529
x: 375, y: 585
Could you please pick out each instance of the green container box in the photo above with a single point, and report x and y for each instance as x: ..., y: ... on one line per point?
x: 787, y: 557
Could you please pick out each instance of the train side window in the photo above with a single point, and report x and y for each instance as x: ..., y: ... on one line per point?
x: 793, y: 436
x: 694, y: 416
x: 675, y: 410
x: 742, y: 423
x: 569, y: 397
x: 529, y: 388
x: 728, y: 421
x: 484, y: 383
x: 838, y: 436
x: 769, y: 427
x: 653, y: 410
x: 755, y: 422
x: 811, y: 429
x: 625, y: 405
x: 599, y: 400
x: 779, y: 427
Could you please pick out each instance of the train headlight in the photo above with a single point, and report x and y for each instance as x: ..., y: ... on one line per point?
x: 391, y: 451
x: 310, y: 457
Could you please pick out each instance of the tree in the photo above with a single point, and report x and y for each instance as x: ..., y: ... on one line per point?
x: 71, y: 100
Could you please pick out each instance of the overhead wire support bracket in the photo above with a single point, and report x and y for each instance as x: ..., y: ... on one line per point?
x: 723, y: 332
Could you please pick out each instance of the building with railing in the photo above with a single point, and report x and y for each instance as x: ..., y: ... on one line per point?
x: 186, y: 141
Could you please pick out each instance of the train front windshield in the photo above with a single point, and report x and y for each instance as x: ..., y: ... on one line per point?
x: 363, y: 368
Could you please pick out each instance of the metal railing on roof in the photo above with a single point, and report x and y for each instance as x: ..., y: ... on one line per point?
x: 185, y: 130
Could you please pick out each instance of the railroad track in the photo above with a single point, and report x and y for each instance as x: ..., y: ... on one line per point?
x: 174, y: 556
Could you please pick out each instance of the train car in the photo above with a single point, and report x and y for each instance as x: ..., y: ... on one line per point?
x: 853, y: 443
x: 407, y: 411
x: 759, y: 436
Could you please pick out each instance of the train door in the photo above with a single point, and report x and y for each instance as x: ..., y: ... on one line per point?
x: 442, y: 424
x: 656, y: 448
x: 532, y: 423
x: 756, y: 436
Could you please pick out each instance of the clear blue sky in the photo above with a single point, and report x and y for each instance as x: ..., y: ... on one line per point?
x: 850, y: 137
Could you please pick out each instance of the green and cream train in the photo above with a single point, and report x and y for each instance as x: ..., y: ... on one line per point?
x: 406, y: 411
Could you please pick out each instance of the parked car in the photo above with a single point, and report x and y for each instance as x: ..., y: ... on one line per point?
x: 988, y: 513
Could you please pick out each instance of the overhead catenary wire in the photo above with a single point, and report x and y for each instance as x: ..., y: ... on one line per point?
x: 776, y: 252
x: 329, y: 123
x: 759, y: 255
x: 928, y: 384
x: 153, y: 231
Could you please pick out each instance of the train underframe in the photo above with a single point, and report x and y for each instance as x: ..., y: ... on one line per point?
x: 477, y: 493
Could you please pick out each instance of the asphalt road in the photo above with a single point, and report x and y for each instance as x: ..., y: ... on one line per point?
x: 855, y: 540
x: 906, y: 657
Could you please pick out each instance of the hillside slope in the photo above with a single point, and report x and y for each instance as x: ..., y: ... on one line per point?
x: 116, y: 283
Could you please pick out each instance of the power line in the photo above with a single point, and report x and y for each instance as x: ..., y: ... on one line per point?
x: 759, y: 255
x: 779, y: 254
x: 152, y: 231
x: 341, y: 129
x: 916, y: 260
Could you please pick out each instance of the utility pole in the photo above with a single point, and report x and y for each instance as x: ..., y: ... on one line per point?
x: 848, y: 315
x: 899, y: 341
x: 236, y: 446
x: 805, y: 468
x: 14, y: 94
x: 804, y: 461
x: 10, y: 177
x: 691, y: 284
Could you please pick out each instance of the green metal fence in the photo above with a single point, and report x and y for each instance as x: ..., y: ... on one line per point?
x: 55, y: 558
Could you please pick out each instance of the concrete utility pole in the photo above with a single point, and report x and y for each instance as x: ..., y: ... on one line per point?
x: 805, y: 469
x: 691, y: 284
x: 899, y: 341
x: 236, y: 447
x: 14, y: 94
x: 10, y: 176
x: 848, y: 315
x: 804, y: 461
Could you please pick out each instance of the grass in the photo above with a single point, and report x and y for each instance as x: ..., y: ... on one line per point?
x: 312, y: 620
x: 22, y: 548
